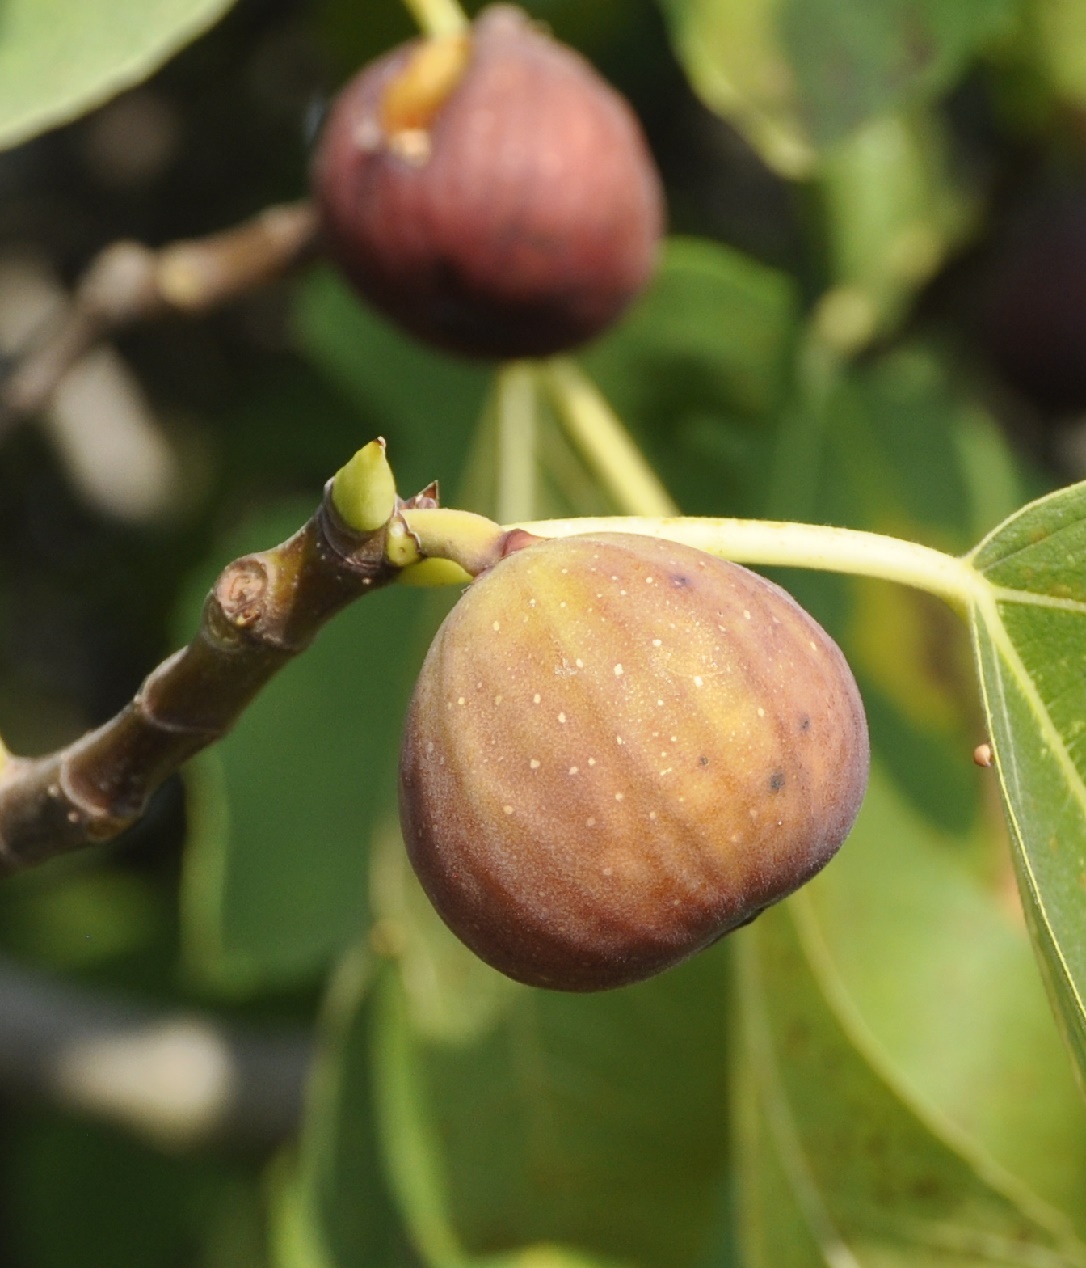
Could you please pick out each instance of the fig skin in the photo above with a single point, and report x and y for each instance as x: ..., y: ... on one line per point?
x: 517, y: 216
x: 619, y: 749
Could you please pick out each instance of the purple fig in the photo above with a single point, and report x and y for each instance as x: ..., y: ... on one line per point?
x: 489, y: 191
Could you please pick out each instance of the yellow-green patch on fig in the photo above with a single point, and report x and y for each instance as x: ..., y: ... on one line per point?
x: 618, y: 749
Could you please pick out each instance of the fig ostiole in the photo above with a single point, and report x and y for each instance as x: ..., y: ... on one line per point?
x: 489, y: 191
x: 618, y: 749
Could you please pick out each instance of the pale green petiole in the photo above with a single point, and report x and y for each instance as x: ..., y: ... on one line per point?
x: 516, y: 410
x: 819, y: 546
x: 603, y: 442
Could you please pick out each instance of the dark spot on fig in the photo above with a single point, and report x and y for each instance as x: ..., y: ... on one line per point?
x: 703, y: 760
x: 776, y: 780
x: 805, y: 723
x: 680, y: 581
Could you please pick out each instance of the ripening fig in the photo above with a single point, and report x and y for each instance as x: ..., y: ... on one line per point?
x: 619, y: 749
x: 489, y: 191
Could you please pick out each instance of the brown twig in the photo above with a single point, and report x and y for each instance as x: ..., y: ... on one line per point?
x: 130, y: 282
x: 263, y: 610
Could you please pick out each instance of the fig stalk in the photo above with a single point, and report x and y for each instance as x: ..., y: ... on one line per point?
x: 516, y: 406
x: 761, y: 542
x: 603, y: 441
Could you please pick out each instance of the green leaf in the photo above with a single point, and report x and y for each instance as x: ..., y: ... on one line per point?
x: 714, y: 313
x: 517, y: 1121
x: 523, y: 465
x: 893, y: 212
x: 334, y: 1209
x: 930, y: 956
x: 59, y: 58
x: 1029, y: 632
x: 282, y: 809
x: 838, y: 1167
x: 1057, y: 30
x: 734, y: 57
x: 798, y: 76
x: 424, y: 403
x: 858, y: 60
x: 917, y: 915
x: 698, y: 369
x: 86, y: 1194
x: 893, y: 447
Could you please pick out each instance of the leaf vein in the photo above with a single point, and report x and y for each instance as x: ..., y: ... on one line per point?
x: 1052, y: 503
x: 986, y: 616
x: 1005, y: 594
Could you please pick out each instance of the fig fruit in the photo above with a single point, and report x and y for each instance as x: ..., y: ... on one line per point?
x: 619, y: 749
x: 489, y: 191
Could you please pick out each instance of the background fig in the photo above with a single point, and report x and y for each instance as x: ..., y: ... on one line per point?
x: 489, y: 191
x: 618, y: 749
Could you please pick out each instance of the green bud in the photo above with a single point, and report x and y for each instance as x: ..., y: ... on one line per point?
x: 364, y: 490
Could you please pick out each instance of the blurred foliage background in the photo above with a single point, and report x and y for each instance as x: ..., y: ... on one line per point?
x: 871, y: 313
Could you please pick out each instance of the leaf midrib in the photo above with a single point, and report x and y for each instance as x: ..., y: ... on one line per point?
x: 985, y: 618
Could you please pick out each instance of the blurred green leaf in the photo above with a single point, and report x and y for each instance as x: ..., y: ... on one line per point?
x: 838, y: 1168
x: 59, y: 58
x: 519, y: 1118
x: 856, y: 61
x: 1057, y: 31
x: 87, y: 1195
x: 559, y: 449
x: 893, y: 212
x: 522, y: 464
x: 714, y: 313
x: 424, y: 403
x: 935, y: 966
x: 1029, y: 628
x: 798, y: 76
x: 735, y: 59
x: 916, y: 453
x: 698, y: 369
x: 917, y: 914
x: 72, y: 919
x: 335, y: 1210
x: 281, y: 810
x: 888, y: 446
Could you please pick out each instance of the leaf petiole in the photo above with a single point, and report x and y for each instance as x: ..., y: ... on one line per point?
x: 820, y: 546
x: 603, y: 442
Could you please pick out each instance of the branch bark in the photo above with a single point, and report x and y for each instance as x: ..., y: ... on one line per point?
x: 263, y: 610
x: 130, y: 282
